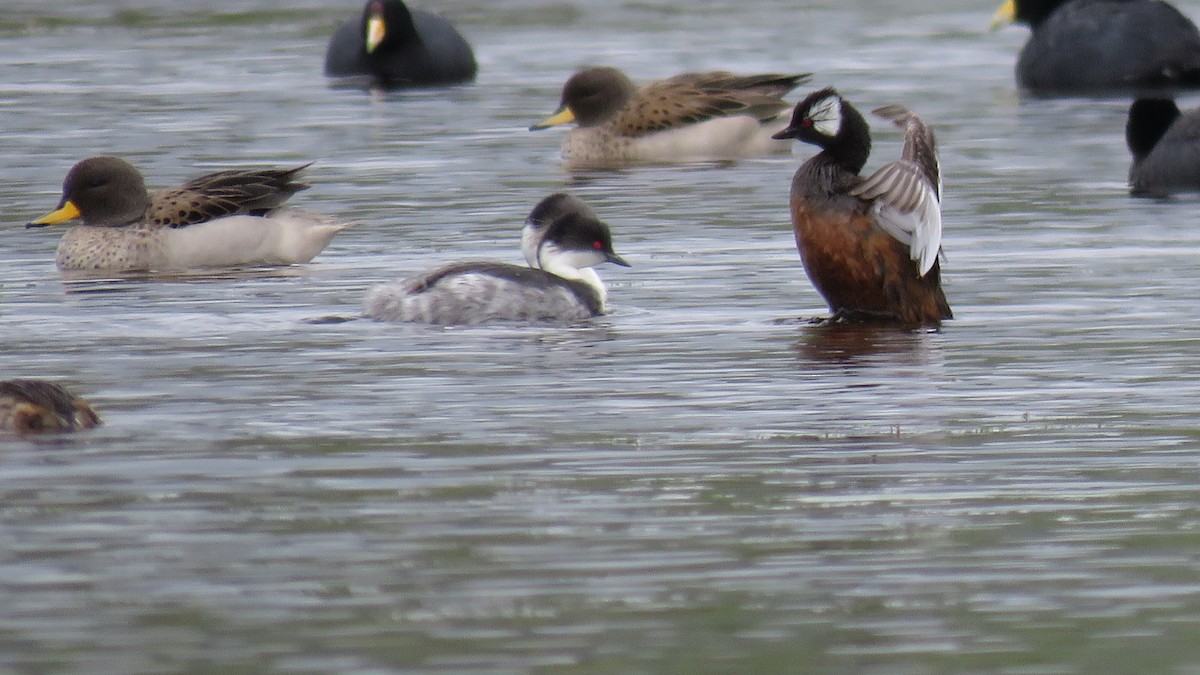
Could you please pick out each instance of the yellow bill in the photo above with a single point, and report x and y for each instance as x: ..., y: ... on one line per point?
x: 376, y: 32
x: 562, y: 116
x: 62, y: 214
x: 1005, y: 15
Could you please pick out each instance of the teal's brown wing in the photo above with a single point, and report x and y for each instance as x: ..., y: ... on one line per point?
x: 692, y: 98
x: 224, y: 193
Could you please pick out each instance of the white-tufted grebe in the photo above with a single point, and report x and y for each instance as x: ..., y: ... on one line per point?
x: 869, y: 244
x: 562, y: 241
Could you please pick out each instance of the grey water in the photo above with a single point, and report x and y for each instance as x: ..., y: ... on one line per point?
x: 700, y: 481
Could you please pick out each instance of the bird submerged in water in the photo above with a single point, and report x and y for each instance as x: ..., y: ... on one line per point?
x: 226, y: 219
x: 562, y: 240
x: 870, y: 245
x: 1165, y: 144
x: 1102, y: 46
x: 37, y: 406
x: 393, y: 45
x: 686, y: 118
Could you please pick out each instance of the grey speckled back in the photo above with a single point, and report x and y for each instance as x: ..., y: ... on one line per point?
x: 475, y: 293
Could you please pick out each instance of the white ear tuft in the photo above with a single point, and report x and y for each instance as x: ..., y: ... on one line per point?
x: 826, y: 115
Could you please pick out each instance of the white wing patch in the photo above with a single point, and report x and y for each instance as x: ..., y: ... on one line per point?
x: 906, y: 206
x: 907, y: 194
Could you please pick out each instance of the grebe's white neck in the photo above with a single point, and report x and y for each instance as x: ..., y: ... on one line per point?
x: 531, y: 239
x: 572, y: 264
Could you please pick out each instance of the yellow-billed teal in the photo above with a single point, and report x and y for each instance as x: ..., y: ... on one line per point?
x: 225, y: 219
x: 689, y: 117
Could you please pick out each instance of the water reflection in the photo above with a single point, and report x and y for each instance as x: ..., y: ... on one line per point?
x: 853, y: 343
x: 97, y: 281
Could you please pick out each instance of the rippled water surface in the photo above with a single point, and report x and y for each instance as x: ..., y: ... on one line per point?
x: 701, y: 481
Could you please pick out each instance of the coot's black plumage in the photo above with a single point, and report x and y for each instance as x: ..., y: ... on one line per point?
x: 1166, y: 147
x: 392, y: 45
x: 1098, y: 46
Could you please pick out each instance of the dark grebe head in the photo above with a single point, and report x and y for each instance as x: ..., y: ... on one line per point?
x: 542, y: 216
x: 828, y: 121
x: 576, y: 240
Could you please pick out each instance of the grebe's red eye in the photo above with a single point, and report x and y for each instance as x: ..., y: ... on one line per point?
x: 806, y: 122
x: 597, y: 245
